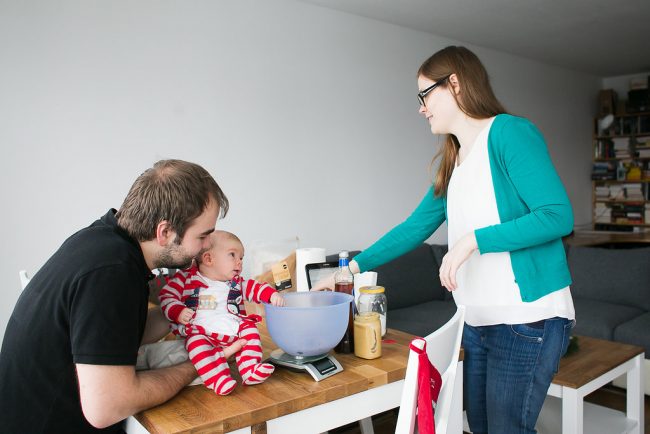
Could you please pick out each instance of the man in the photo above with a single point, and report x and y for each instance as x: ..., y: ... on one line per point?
x: 67, y: 363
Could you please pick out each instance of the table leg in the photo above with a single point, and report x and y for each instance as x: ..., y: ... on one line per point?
x: 635, y: 398
x: 572, y: 411
x: 258, y: 428
x: 365, y: 426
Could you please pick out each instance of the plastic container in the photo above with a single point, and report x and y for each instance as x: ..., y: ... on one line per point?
x: 310, y: 323
x: 373, y: 299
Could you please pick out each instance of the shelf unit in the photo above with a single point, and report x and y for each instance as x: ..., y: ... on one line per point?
x: 621, y: 174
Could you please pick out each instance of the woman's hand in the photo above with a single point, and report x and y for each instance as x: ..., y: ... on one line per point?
x: 326, y: 284
x: 455, y: 258
x: 277, y: 299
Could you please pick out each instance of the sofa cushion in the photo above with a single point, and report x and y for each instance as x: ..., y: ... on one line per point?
x: 613, y: 275
x: 411, y: 279
x: 636, y: 332
x: 421, y: 319
x: 439, y: 251
x: 598, y: 319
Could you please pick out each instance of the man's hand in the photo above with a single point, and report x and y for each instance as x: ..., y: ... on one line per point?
x: 454, y: 258
x: 185, y: 316
x: 277, y: 299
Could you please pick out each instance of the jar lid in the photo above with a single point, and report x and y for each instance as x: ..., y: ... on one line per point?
x: 374, y: 289
x: 366, y: 316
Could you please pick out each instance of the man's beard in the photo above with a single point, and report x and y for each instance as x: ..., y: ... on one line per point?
x: 173, y: 257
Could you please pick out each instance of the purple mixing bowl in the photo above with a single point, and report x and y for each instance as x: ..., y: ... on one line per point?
x: 311, y: 323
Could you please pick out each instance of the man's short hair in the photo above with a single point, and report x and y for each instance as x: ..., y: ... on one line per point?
x: 173, y: 190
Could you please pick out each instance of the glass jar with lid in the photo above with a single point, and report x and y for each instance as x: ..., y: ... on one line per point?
x: 373, y: 299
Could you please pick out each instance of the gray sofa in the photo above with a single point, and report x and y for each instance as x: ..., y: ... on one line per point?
x: 611, y: 291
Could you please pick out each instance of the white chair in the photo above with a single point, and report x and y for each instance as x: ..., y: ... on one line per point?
x: 443, y: 348
x: 24, y: 278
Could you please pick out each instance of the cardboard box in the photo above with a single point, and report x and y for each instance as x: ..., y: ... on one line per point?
x: 639, y: 83
x: 606, y: 102
x: 638, y: 100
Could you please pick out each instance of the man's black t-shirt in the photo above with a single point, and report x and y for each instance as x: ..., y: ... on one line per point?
x: 87, y: 304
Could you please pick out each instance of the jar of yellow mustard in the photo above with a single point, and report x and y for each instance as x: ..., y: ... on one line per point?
x: 373, y: 299
x: 367, y: 335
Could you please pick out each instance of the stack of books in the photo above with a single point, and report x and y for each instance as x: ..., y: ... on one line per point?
x: 622, y: 148
x: 633, y: 192
x: 643, y: 152
x: 603, y: 170
x: 604, y: 149
x: 628, y: 213
x: 602, y: 213
x: 643, y: 141
x: 602, y: 192
x: 616, y: 192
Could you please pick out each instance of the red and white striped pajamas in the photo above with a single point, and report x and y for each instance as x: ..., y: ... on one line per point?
x: 205, y: 347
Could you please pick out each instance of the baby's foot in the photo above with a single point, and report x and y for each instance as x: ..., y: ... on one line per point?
x: 222, y: 385
x: 257, y: 374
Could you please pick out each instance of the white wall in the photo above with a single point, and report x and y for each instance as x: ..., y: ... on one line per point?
x: 306, y: 117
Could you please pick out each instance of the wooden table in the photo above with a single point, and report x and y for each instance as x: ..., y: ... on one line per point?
x: 288, y: 401
x: 596, y: 238
x: 596, y: 363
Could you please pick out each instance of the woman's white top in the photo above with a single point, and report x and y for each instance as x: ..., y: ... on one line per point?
x: 486, y: 283
x: 212, y: 311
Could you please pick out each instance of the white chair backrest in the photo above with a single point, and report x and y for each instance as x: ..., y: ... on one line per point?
x: 443, y: 348
x: 24, y: 278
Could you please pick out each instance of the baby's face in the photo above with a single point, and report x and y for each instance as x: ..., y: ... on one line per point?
x: 228, y: 257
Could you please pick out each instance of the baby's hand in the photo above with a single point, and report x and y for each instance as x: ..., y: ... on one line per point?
x: 186, y: 316
x: 277, y: 299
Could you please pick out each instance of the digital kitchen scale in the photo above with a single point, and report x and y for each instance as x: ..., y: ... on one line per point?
x: 319, y: 367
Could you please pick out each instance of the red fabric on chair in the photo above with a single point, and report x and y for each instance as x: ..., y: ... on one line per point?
x: 429, y: 384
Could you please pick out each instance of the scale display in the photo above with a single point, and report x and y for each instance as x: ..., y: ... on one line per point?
x: 319, y: 367
x: 324, y: 366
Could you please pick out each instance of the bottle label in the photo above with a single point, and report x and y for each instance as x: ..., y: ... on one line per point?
x: 343, y: 262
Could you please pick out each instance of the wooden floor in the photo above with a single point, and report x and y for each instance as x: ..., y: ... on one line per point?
x: 608, y: 396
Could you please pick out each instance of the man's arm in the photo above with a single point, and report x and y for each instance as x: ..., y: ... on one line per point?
x: 110, y: 394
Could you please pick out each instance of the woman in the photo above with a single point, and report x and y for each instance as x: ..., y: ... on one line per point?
x: 506, y: 211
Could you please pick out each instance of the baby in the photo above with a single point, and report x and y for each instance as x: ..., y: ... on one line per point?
x: 205, y: 305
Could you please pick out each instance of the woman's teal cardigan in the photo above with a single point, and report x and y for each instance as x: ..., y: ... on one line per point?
x: 533, y: 207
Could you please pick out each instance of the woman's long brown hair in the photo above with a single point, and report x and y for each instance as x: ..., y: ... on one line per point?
x: 476, y: 99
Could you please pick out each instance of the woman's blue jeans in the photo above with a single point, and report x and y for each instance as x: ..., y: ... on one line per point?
x: 507, y: 371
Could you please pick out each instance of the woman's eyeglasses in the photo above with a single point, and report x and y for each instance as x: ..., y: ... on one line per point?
x: 425, y: 92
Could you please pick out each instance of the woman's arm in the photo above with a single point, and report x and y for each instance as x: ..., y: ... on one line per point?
x: 522, y: 151
x: 406, y: 236
x: 403, y: 238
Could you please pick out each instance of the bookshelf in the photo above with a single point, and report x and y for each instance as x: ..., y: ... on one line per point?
x: 621, y: 174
